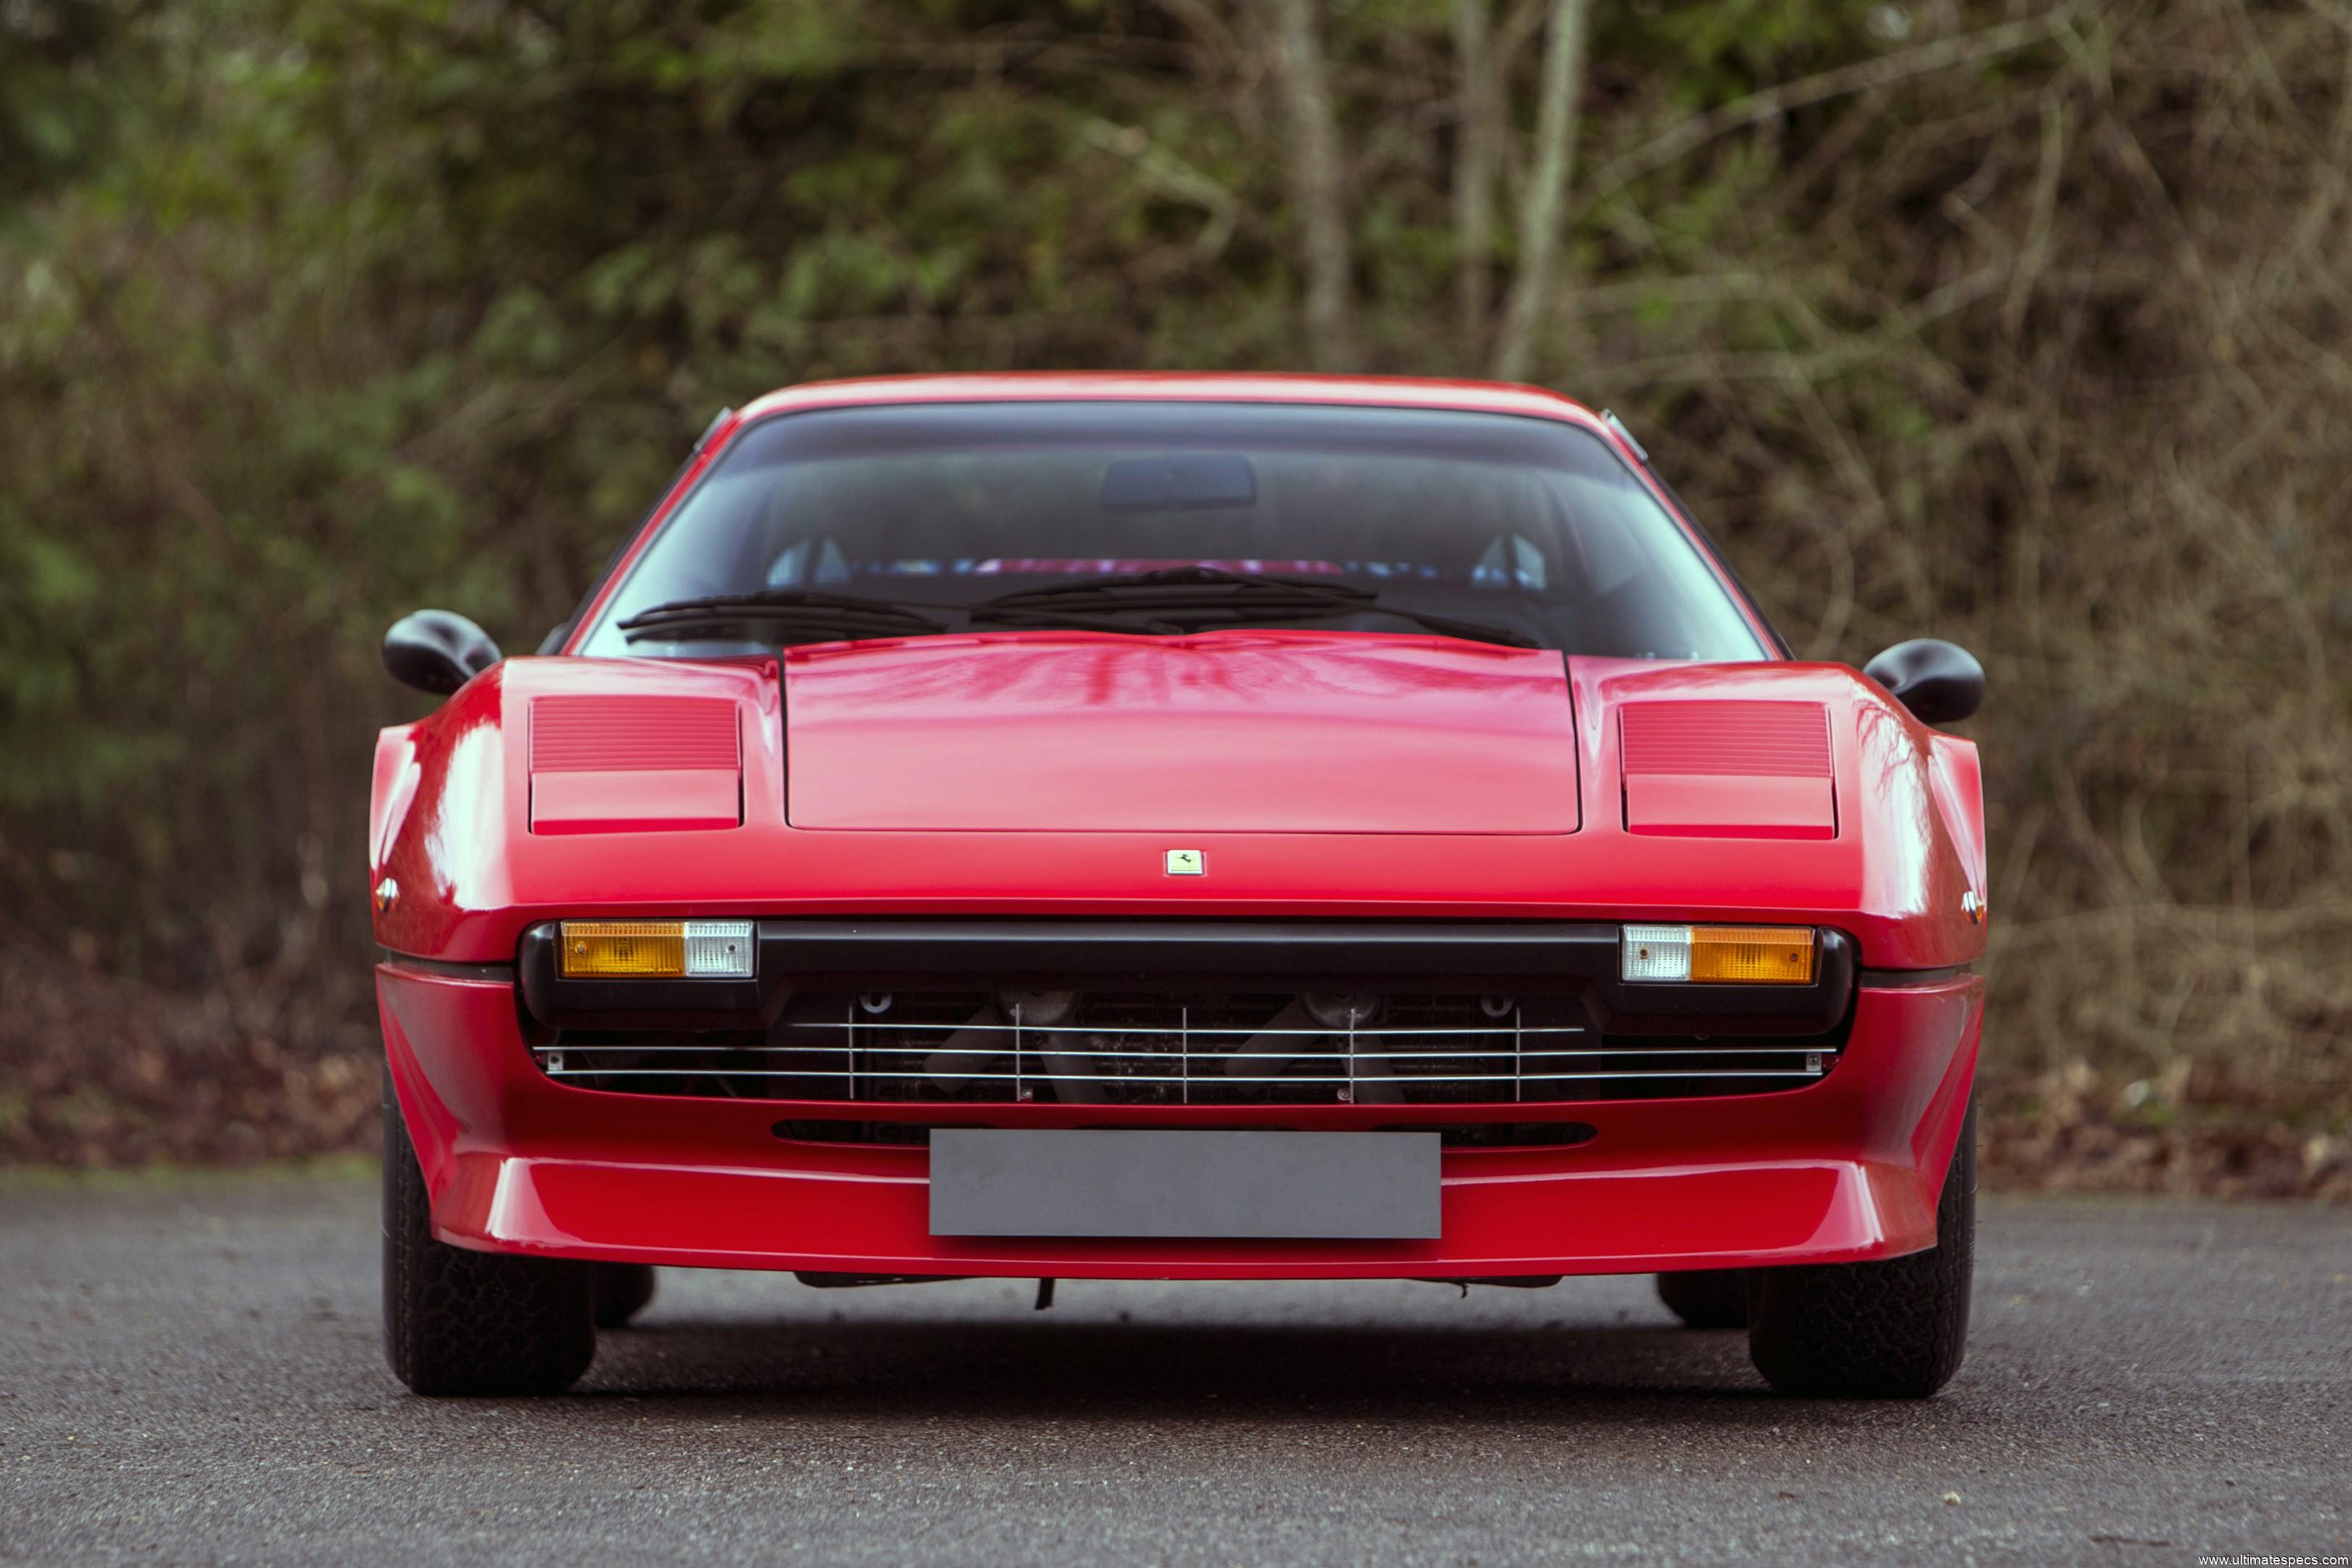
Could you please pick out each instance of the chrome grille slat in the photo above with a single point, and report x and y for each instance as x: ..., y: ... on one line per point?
x: 1133, y: 1029
x: 1096, y: 1078
x: 1231, y: 1056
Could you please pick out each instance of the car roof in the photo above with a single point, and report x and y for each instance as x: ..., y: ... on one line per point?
x: 1365, y: 391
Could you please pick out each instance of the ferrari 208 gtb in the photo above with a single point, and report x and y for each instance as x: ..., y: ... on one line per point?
x: 1176, y: 827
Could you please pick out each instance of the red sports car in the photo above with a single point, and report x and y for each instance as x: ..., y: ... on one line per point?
x: 1173, y: 826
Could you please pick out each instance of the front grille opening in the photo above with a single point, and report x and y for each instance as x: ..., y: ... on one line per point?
x: 1137, y: 1048
x: 1507, y: 1134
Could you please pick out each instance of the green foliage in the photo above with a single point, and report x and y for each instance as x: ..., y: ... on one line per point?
x: 55, y: 103
x: 312, y: 313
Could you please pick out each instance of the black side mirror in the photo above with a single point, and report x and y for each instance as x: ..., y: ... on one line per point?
x: 437, y: 651
x: 1939, y: 681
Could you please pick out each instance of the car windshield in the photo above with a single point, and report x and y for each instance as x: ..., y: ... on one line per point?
x: 1521, y: 528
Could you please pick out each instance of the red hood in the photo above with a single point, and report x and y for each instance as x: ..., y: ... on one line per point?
x: 1251, y: 732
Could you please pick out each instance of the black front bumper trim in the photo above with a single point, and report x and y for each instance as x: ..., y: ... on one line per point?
x: 882, y: 954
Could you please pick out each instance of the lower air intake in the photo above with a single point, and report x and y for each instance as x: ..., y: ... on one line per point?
x: 1142, y: 1049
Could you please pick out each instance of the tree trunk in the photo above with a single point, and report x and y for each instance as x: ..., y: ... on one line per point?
x: 1477, y: 119
x: 1540, y: 215
x: 1312, y: 162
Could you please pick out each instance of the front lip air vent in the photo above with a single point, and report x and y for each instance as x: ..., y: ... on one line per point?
x: 1451, y: 1135
x: 1185, y: 1049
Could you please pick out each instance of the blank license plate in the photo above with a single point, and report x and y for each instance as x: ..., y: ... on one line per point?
x: 1159, y: 1183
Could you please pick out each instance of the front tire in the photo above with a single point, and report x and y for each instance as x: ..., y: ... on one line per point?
x: 1892, y: 1329
x: 463, y: 1323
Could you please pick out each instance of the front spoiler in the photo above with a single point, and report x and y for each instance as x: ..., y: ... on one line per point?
x: 1844, y: 1170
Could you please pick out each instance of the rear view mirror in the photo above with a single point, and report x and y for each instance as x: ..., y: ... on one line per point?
x: 1182, y: 481
x: 1939, y: 681
x: 437, y: 651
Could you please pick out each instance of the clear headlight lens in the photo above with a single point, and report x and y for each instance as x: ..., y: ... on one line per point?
x: 1656, y: 953
x: 697, y: 950
x: 1723, y: 955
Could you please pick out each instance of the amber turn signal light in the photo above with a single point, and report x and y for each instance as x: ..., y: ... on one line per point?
x: 1720, y: 955
x: 653, y: 949
x: 1752, y: 955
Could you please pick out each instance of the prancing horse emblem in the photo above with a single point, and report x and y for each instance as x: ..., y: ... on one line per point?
x: 1187, y: 863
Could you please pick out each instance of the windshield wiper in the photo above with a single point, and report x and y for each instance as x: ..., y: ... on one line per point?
x: 1167, y: 602
x: 1194, y: 598
x: 801, y: 615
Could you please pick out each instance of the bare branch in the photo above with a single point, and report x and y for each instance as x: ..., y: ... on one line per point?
x: 1172, y: 175
x: 1687, y: 135
x: 1477, y: 117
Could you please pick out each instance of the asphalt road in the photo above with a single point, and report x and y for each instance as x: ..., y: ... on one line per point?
x: 189, y: 1373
